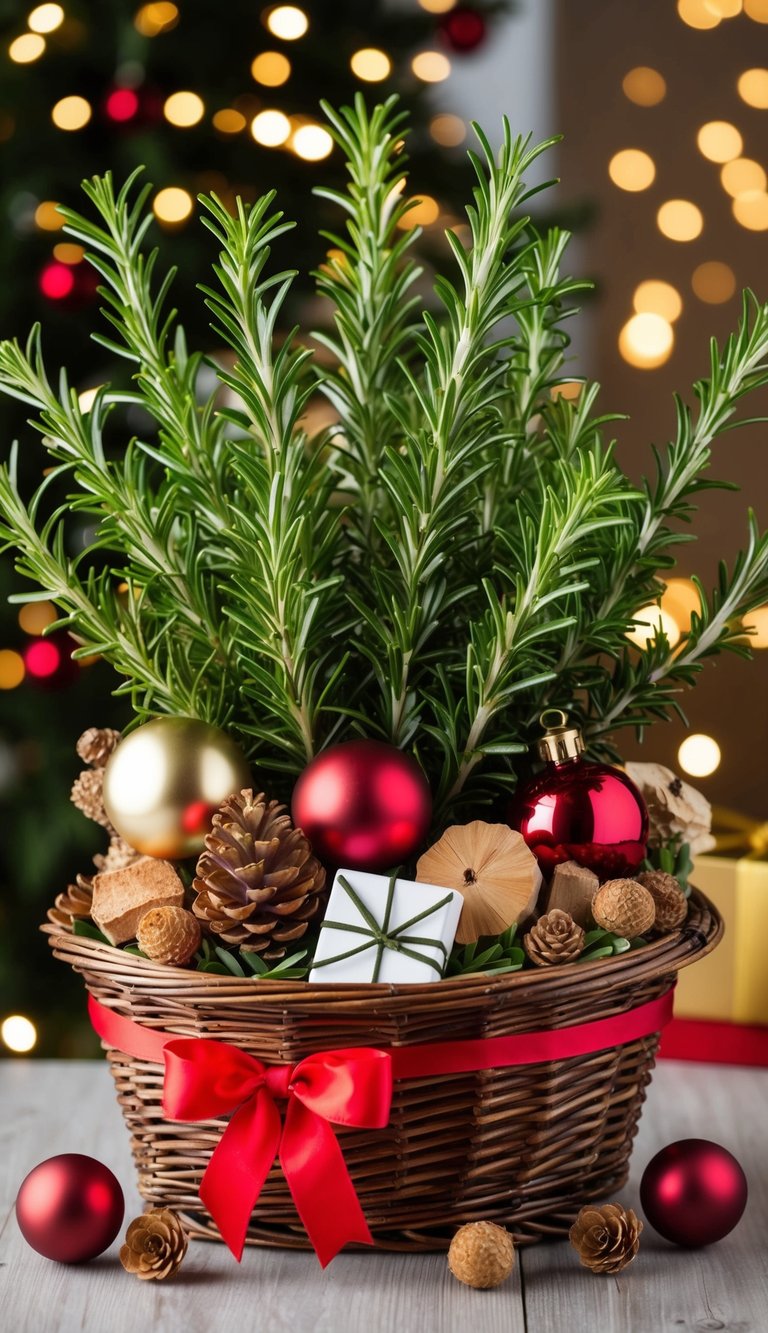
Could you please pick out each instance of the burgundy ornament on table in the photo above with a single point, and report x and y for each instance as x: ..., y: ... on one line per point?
x: 578, y: 810
x: 693, y: 1192
x: 363, y: 804
x: 70, y: 1208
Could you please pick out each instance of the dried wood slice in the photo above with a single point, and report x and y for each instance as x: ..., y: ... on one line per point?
x: 572, y: 890
x: 493, y: 869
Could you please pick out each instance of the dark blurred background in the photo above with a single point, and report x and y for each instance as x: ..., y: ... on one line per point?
x: 663, y: 166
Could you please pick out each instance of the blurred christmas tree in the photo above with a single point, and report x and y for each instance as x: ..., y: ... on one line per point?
x: 208, y: 97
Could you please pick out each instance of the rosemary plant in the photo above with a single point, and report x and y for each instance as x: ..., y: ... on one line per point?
x: 457, y: 551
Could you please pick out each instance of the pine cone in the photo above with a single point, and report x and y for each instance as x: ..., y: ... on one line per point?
x: 624, y: 907
x: 87, y: 795
x: 96, y: 745
x: 155, y: 1245
x: 257, y: 883
x: 670, y: 901
x: 73, y: 905
x: 118, y: 855
x: 606, y: 1239
x: 554, y: 939
x: 168, y: 935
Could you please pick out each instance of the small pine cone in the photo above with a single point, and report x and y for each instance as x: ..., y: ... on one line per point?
x: 169, y: 935
x: 554, y: 939
x: 624, y: 907
x: 96, y: 745
x: 155, y: 1245
x: 73, y: 905
x: 87, y: 795
x: 118, y: 855
x: 670, y: 901
x: 258, y: 884
x: 606, y: 1239
x: 481, y: 1254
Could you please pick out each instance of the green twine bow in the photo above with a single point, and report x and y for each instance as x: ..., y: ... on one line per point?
x: 381, y: 937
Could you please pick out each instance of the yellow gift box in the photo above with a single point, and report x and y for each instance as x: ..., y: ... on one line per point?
x: 731, y: 983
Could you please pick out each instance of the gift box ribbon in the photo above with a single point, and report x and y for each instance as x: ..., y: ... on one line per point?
x: 735, y: 832
x: 206, y: 1079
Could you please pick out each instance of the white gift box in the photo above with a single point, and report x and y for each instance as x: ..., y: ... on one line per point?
x: 378, y: 928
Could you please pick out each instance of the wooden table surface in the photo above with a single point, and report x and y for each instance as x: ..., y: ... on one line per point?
x: 54, y: 1106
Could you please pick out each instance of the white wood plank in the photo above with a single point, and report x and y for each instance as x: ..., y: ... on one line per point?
x: 723, y: 1286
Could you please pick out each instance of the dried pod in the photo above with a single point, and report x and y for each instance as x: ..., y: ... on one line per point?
x: 96, y: 745
x: 481, y: 1254
x: 624, y: 907
x: 606, y: 1239
x: 155, y: 1245
x: 670, y: 902
x: 169, y: 935
x: 555, y: 938
x: 494, y: 871
x: 74, y: 905
x: 87, y: 796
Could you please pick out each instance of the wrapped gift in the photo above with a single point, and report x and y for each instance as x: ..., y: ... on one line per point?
x: 381, y: 928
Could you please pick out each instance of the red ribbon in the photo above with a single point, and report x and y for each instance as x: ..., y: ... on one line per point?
x: 205, y: 1080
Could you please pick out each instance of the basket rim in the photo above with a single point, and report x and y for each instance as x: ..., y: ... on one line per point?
x: 701, y: 933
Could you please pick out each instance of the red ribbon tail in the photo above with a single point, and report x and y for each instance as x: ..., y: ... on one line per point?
x: 239, y: 1166
x: 317, y: 1176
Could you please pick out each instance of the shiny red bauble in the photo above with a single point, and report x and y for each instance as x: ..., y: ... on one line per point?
x: 364, y: 805
x: 464, y: 29
x: 585, y: 812
x: 693, y: 1192
x: 70, y: 1208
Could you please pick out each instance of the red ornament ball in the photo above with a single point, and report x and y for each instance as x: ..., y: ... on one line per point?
x: 70, y: 1208
x: 364, y: 805
x: 464, y: 29
x: 693, y: 1192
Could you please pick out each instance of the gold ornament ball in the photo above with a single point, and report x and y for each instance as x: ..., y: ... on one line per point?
x: 164, y: 782
x: 481, y: 1254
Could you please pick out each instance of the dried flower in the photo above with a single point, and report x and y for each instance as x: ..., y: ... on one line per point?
x: 554, y: 939
x: 675, y: 809
x: 155, y: 1245
x: 606, y: 1239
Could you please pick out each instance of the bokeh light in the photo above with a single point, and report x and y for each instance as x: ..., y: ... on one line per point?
x: 23, y: 50
x: 649, y: 621
x: 71, y: 113
x: 12, y: 669
x: 56, y: 281
x: 658, y: 298
x: 448, y: 130
x: 370, y: 64
x: 719, y: 141
x: 753, y: 88
x: 229, y: 121
x: 724, y: 9
x: 287, y: 22
x: 699, y: 755
x: 756, y: 10
x: 424, y: 212
x: 679, y: 220
x: 714, y: 282
x: 45, y: 18
x: 646, y: 341
x: 18, y: 1033
x: 184, y: 109
x: 742, y: 175
x: 172, y: 205
x: 34, y: 617
x: 153, y: 19
x: 431, y: 66
x: 751, y: 210
x: 271, y: 128
x: 438, y: 6
x: 271, y: 68
x: 681, y: 599
x: 48, y: 217
x: 644, y: 86
x: 757, y: 621
x: 87, y: 397
x: 122, y: 105
x: 632, y: 169
x: 312, y: 143
x: 42, y: 659
x: 68, y: 252
x: 696, y: 14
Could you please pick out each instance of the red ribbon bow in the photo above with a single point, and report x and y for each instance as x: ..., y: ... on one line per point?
x: 208, y: 1079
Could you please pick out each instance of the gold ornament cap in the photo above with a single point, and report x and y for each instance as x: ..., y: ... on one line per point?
x: 559, y: 742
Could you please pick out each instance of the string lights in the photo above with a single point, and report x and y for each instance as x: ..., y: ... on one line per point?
x: 18, y: 1033
x: 71, y: 113
x: 45, y: 18
x: 287, y: 22
x: 699, y: 755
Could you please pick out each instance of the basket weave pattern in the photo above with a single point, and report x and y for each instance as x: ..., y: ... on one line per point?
x: 523, y: 1146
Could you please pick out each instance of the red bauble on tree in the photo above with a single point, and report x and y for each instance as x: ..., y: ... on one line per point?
x: 364, y: 805
x: 693, y: 1192
x: 70, y: 1208
x: 580, y: 811
x: 464, y: 29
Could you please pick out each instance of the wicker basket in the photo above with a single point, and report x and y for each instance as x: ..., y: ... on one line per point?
x: 524, y: 1146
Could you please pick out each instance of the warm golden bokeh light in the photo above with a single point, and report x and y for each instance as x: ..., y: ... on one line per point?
x: 646, y: 341
x: 753, y: 88
x: 648, y: 621
x: 48, y: 217
x: 71, y: 113
x: 67, y: 252
x: 569, y: 389
x: 713, y: 282
x: 312, y: 143
x: 271, y: 68
x: 424, y: 212
x: 751, y: 210
x: 23, y: 50
x: 448, y: 130
x: 287, y: 22
x: 184, y: 109
x: 757, y: 621
x: 644, y: 86
x: 151, y: 20
x: 757, y: 10
x: 696, y: 14
x: 438, y: 6
x: 681, y: 599
x: 679, y: 220
x: 229, y: 121
x: 699, y: 755
x: 370, y: 64
x: 719, y: 141
x: 742, y: 175
x: 172, y: 205
x: 11, y: 669
x: 34, y: 617
x: 431, y: 66
x: 45, y: 18
x: 18, y: 1033
x: 658, y: 298
x: 724, y: 9
x: 632, y: 169
x: 271, y: 128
